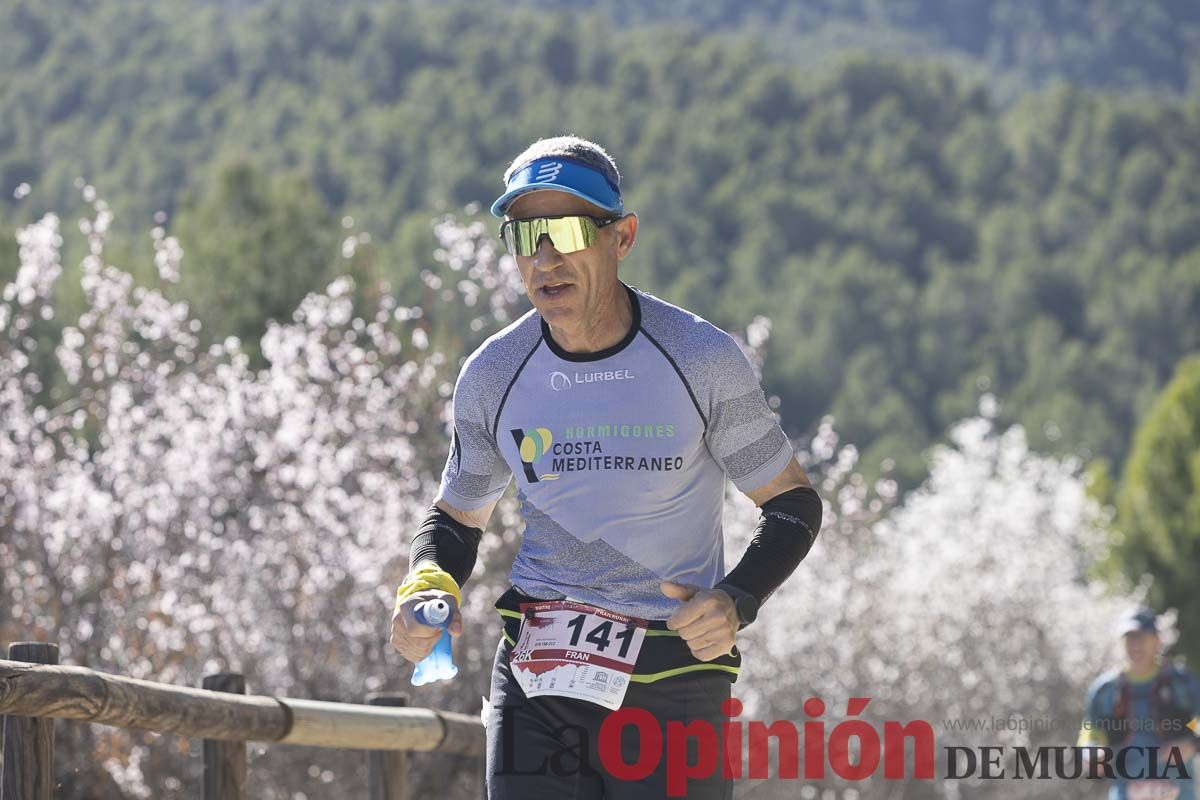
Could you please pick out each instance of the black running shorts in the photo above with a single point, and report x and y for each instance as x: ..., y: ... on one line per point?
x: 548, y: 748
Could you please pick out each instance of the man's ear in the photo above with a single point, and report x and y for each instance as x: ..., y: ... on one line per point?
x: 626, y: 230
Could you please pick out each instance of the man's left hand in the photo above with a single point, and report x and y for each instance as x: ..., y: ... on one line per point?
x: 706, y: 619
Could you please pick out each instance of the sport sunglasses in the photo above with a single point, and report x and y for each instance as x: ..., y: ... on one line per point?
x: 568, y: 233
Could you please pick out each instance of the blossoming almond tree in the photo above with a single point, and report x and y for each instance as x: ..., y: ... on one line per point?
x: 970, y: 600
x: 176, y: 514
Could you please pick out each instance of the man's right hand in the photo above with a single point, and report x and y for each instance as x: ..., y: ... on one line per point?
x: 413, y: 640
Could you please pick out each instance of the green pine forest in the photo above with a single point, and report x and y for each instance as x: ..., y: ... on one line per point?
x: 1014, y: 44
x: 987, y: 198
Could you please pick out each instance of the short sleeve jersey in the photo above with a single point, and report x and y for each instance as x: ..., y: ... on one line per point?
x: 620, y: 456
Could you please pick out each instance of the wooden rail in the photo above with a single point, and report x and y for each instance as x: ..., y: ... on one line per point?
x: 32, y: 694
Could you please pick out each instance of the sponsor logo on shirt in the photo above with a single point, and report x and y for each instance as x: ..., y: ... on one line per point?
x: 582, y: 450
x: 617, y: 430
x: 532, y: 444
x: 561, y: 380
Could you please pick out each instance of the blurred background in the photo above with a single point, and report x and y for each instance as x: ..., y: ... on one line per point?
x: 244, y: 247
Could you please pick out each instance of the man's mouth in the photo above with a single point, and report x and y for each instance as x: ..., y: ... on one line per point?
x: 553, y: 289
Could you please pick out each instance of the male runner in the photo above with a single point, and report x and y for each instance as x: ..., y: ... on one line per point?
x: 620, y: 415
x: 1148, y: 706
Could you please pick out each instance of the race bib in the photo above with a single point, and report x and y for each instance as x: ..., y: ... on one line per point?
x: 576, y: 650
x: 1152, y: 790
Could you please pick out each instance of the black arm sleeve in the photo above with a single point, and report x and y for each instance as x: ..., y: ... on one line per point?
x: 446, y: 542
x: 785, y: 533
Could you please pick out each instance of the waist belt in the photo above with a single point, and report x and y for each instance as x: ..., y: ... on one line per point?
x: 664, y: 653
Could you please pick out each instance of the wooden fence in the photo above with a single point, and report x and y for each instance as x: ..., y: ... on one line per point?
x: 35, y: 690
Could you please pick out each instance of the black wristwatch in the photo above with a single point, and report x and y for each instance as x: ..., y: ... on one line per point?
x: 744, y: 603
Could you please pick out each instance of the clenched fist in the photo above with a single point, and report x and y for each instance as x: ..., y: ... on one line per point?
x: 706, y: 619
x: 413, y: 640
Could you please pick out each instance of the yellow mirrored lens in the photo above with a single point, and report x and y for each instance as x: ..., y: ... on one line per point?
x: 567, y: 234
x: 572, y: 233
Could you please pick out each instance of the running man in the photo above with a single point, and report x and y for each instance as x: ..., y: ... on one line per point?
x: 1149, y: 705
x: 620, y: 416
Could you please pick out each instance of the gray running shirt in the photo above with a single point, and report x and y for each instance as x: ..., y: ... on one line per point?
x: 620, y: 456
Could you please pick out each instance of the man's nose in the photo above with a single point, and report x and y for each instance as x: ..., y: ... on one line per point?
x: 546, y: 257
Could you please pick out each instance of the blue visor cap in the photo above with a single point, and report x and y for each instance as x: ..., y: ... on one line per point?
x: 565, y: 175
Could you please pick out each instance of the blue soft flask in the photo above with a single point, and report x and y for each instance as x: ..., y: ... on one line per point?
x: 438, y: 665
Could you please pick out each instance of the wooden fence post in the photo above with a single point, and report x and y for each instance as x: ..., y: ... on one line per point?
x: 29, y: 741
x: 224, y: 761
x: 387, y: 770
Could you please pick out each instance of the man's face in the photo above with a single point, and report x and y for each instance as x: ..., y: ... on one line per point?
x: 566, y: 288
x: 1141, y: 647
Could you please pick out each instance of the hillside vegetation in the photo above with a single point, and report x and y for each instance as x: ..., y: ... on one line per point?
x: 914, y: 243
x: 1016, y: 44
